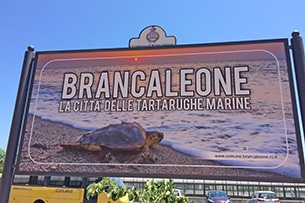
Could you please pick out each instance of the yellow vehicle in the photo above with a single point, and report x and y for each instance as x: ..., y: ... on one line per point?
x: 103, y: 197
x: 35, y: 194
x: 40, y: 189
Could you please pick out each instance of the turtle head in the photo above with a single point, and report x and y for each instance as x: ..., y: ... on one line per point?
x: 153, y: 138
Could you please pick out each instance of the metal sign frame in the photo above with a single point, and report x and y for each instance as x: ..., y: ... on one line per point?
x: 131, y: 84
x: 28, y: 79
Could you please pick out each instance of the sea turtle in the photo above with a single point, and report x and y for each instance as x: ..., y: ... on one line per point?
x: 129, y: 138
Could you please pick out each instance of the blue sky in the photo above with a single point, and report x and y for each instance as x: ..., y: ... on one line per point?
x: 74, y: 24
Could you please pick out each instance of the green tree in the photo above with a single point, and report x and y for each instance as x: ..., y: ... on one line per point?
x: 2, y: 157
x: 154, y: 191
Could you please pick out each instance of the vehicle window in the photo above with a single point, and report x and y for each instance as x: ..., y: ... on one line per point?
x: 76, y: 182
x: 267, y: 195
x: 57, y: 181
x: 27, y: 180
x: 218, y: 194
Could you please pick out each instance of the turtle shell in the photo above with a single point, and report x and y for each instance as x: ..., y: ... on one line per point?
x: 123, y: 136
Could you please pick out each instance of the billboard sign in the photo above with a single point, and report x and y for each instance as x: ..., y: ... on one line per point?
x: 214, y: 111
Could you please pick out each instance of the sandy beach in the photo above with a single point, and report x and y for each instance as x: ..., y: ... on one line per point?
x: 52, y: 150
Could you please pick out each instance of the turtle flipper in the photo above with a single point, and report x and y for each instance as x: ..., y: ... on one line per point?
x: 71, y: 146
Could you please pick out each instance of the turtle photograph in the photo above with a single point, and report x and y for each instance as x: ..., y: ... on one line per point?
x: 122, y: 141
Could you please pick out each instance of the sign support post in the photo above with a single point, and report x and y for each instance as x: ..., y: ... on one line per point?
x: 299, y: 64
x: 299, y: 68
x: 17, y: 125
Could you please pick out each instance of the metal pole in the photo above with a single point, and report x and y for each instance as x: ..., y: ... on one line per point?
x: 299, y: 64
x: 16, y: 127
